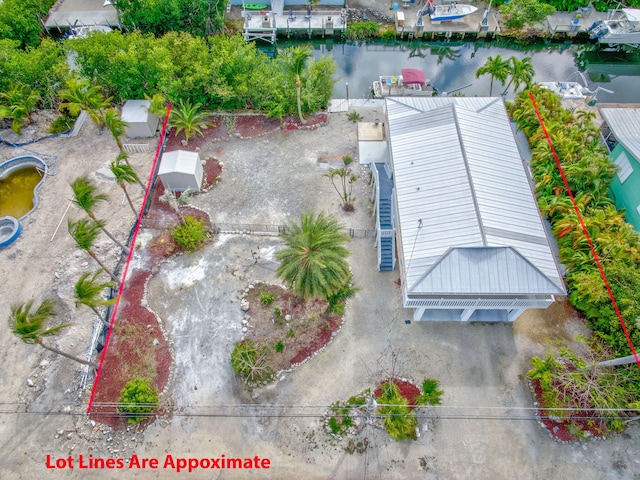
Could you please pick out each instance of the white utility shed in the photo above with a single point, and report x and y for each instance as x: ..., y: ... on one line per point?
x: 140, y: 122
x: 180, y: 170
x: 470, y: 239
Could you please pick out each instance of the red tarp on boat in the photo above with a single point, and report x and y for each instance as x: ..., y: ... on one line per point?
x: 412, y: 76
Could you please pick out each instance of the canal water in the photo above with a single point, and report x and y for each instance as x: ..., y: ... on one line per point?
x: 451, y: 66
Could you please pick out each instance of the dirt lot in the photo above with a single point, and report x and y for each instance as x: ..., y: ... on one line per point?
x: 483, y: 430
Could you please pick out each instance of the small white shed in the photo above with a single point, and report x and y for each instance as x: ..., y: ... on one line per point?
x: 140, y: 122
x: 180, y: 170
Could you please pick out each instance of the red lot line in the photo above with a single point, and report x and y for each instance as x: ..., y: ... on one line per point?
x: 586, y: 233
x: 130, y: 256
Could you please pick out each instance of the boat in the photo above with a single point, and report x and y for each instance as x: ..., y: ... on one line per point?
x: 446, y: 13
x: 622, y: 28
x: 575, y: 90
x: 566, y: 90
x: 411, y: 82
x: 85, y: 31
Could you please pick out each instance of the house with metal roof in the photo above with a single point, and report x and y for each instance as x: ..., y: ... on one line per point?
x: 623, y: 141
x: 455, y: 204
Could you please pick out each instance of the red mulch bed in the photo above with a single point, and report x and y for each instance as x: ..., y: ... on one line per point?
x: 310, y: 326
x: 407, y: 389
x: 131, y: 351
x: 246, y: 126
x: 586, y: 421
x: 322, y: 338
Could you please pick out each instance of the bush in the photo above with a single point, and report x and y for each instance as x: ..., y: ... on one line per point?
x: 249, y: 362
x: 279, y: 346
x: 362, y: 30
x: 267, y: 298
x: 354, y: 116
x: 190, y: 234
x: 62, y: 124
x: 138, y: 400
x: 431, y: 394
x: 399, y: 422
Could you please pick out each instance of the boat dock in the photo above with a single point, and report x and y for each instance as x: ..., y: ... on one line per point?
x: 409, y: 25
x: 266, y: 25
x: 77, y: 13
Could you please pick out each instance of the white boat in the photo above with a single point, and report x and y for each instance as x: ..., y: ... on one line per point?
x: 566, y: 90
x: 411, y: 82
x: 575, y: 90
x: 446, y: 13
x: 84, y: 31
x: 622, y: 28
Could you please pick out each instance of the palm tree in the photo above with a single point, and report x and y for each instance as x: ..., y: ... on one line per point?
x: 79, y: 95
x: 115, y: 124
x: 123, y: 156
x: 30, y: 326
x: 17, y: 103
x: 157, y: 105
x: 520, y: 71
x: 84, y: 232
x: 295, y: 61
x: 189, y: 118
x: 347, y: 177
x: 88, y: 292
x: 496, y: 68
x: 85, y: 196
x: 124, y: 174
x: 313, y: 264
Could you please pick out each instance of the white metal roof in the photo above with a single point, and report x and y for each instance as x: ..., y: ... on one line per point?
x: 179, y: 161
x: 460, y: 182
x: 625, y: 125
x: 136, y: 111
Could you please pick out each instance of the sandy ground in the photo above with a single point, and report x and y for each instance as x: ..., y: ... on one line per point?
x: 483, y: 430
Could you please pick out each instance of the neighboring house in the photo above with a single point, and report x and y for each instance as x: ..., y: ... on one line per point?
x: 624, y: 147
x: 454, y: 201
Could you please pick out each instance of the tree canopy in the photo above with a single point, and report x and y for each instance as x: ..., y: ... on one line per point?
x: 314, y: 261
x: 158, y: 17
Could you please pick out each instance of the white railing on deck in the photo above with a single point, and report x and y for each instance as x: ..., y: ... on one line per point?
x: 477, y: 303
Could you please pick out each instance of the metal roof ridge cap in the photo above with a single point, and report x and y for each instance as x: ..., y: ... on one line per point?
x: 469, y: 176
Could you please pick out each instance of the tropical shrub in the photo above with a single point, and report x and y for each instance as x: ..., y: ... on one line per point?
x: 362, y: 30
x: 267, y: 298
x: 20, y: 20
x: 190, y: 234
x: 519, y: 13
x: 197, y: 17
x: 138, y: 400
x: 589, y: 173
x: 393, y: 409
x: 224, y: 72
x: 189, y: 119
x: 249, y: 362
x: 17, y: 103
x: 431, y: 394
x: 43, y: 68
